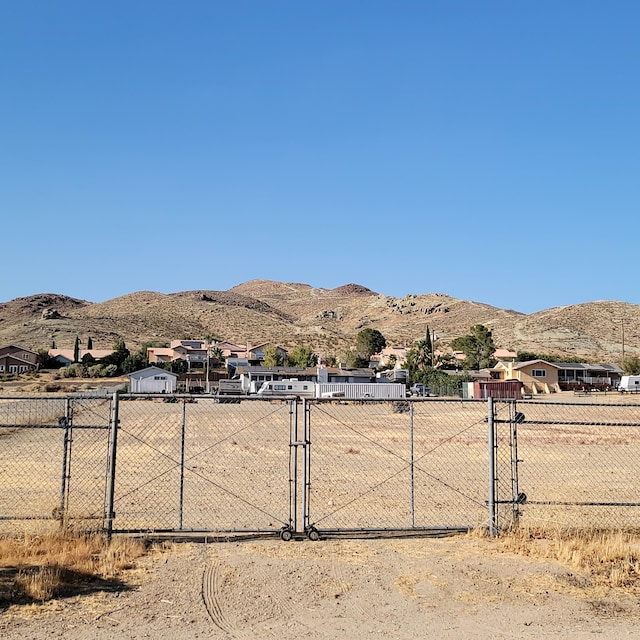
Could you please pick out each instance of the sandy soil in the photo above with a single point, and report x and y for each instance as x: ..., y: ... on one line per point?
x: 457, y: 587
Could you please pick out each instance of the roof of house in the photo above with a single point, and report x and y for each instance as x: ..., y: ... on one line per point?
x: 15, y: 347
x: 67, y: 354
x: 144, y: 373
x: 582, y: 366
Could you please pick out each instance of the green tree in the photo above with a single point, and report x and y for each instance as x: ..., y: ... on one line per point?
x: 76, y: 350
x: 89, y: 343
x: 273, y: 357
x: 119, y: 355
x: 45, y: 361
x: 631, y: 365
x: 477, y: 346
x: 217, y: 357
x: 177, y: 366
x: 302, y: 356
x: 428, y: 347
x: 368, y: 342
x: 527, y: 356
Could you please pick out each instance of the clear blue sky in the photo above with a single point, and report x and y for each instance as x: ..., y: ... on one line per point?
x: 487, y: 150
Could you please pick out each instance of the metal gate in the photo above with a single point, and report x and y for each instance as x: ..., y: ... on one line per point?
x: 289, y: 466
x: 401, y: 466
x: 203, y: 465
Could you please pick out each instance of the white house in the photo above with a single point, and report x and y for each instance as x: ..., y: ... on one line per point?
x: 152, y: 380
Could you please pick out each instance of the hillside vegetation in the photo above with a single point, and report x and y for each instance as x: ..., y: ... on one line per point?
x: 326, y: 319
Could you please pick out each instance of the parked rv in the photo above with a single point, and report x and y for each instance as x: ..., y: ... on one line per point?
x: 629, y: 384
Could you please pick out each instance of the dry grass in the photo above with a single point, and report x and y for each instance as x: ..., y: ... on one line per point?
x: 35, y: 568
x: 608, y: 559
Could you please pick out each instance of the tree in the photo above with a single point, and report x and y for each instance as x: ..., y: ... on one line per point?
x: 273, y: 357
x: 428, y: 346
x: 302, y: 356
x: 368, y: 342
x: 45, y: 361
x: 119, y: 355
x: 89, y: 343
x: 217, y: 357
x: 631, y: 365
x: 76, y: 350
x: 477, y: 346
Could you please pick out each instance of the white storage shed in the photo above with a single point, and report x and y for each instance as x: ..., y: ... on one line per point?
x: 153, y: 380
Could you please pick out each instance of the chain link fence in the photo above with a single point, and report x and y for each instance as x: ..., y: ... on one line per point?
x: 238, y: 464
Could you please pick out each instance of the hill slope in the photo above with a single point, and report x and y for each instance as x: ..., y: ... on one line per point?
x: 326, y: 319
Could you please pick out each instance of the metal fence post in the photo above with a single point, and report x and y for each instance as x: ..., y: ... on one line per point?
x: 412, y: 453
x: 182, y: 445
x: 492, y: 469
x: 65, y: 422
x: 111, y: 469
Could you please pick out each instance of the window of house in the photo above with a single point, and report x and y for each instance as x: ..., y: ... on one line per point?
x: 13, y: 368
x: 25, y: 356
x: 23, y: 368
x: 538, y: 373
x: 159, y: 377
x: 1, y: 367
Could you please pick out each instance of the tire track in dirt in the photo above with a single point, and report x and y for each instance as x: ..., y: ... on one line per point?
x: 212, y: 598
x: 217, y: 604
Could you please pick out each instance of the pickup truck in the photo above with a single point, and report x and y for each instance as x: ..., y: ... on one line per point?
x: 420, y: 390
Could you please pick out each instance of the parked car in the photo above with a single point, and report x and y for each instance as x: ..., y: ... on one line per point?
x: 419, y: 389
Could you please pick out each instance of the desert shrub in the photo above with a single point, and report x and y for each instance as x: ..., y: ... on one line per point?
x: 96, y: 371
x: 77, y: 370
x: 110, y: 370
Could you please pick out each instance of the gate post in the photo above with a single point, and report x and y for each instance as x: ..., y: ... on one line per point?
x: 492, y: 469
x: 182, y: 453
x: 412, y: 454
x: 65, y: 422
x: 111, y: 469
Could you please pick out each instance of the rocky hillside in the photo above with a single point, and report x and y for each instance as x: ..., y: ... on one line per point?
x: 326, y: 319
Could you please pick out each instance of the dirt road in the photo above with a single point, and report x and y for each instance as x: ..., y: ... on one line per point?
x: 457, y: 587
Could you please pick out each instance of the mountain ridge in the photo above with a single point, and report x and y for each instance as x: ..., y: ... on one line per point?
x: 327, y: 320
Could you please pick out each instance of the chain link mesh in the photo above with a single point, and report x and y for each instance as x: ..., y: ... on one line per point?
x: 202, y: 465
x: 250, y: 464
x: 52, y: 462
x: 397, y: 465
x: 580, y: 463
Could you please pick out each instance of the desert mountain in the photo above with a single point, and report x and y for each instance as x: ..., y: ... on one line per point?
x: 325, y: 319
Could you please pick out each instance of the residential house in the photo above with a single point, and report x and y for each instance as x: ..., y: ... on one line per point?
x: 153, y: 380
x: 540, y: 376
x: 255, y: 355
x: 15, y: 359
x: 573, y: 375
x: 383, y: 358
x: 537, y: 376
x: 194, y: 352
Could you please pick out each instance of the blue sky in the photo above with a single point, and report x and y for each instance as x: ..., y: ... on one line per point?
x: 486, y: 150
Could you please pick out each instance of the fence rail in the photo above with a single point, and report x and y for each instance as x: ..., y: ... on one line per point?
x: 290, y: 466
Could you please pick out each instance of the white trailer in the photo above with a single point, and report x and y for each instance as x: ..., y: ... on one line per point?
x: 361, y: 390
x: 629, y: 383
x: 348, y: 390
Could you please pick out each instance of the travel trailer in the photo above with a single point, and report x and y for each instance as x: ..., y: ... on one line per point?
x: 629, y: 383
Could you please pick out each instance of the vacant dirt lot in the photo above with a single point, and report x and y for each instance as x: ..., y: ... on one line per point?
x: 456, y: 587
x: 459, y: 587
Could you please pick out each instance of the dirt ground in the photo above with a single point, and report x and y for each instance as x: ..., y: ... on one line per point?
x: 454, y: 587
